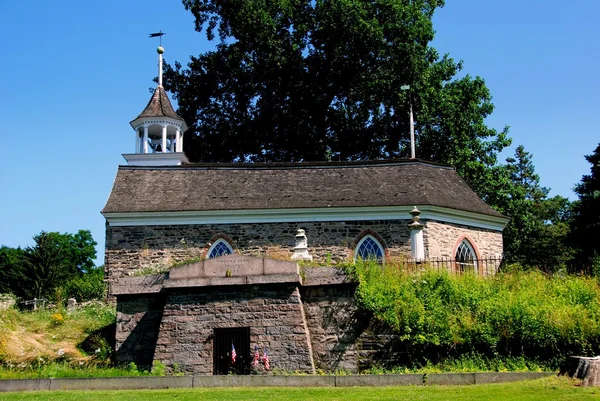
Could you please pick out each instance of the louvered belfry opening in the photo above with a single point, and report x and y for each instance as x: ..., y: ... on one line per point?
x: 223, y: 339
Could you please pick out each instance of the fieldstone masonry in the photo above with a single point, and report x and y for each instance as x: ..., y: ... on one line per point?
x: 308, y: 321
x: 441, y: 240
x: 176, y: 325
x: 131, y: 249
x: 134, y: 249
x: 309, y: 324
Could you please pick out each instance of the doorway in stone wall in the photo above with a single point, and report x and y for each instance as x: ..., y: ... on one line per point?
x: 224, y: 341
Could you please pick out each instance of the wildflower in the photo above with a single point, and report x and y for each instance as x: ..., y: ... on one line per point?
x: 57, y: 319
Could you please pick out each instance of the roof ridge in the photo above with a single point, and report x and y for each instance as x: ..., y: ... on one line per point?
x: 295, y: 165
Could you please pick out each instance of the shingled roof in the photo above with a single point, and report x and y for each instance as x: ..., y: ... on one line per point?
x: 204, y: 187
x: 159, y: 106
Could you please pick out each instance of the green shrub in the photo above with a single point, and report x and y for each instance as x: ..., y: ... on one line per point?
x: 87, y: 286
x: 439, y: 316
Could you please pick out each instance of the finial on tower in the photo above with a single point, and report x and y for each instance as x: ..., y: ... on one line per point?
x: 158, y: 128
x: 160, y: 50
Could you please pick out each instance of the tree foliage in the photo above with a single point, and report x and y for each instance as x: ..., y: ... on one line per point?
x: 537, y: 234
x: 294, y: 80
x: 586, y: 231
x: 55, y: 259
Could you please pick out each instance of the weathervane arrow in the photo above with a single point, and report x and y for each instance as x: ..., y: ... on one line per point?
x: 158, y: 34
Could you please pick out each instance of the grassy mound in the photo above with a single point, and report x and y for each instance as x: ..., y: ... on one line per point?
x: 48, y: 336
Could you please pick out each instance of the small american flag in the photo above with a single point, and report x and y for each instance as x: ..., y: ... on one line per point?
x: 256, y: 356
x: 265, y: 359
x: 233, y: 353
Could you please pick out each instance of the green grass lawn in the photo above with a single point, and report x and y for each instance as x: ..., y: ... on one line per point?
x: 554, y: 388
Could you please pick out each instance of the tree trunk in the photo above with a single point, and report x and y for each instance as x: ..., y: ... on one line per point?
x: 585, y: 368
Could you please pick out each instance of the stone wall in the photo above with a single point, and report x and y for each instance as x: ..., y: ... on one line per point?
x: 441, y: 240
x: 273, y: 313
x: 345, y: 338
x: 316, y: 326
x: 134, y: 248
x: 137, y: 328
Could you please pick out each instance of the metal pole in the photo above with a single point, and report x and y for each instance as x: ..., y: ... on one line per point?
x: 412, y: 132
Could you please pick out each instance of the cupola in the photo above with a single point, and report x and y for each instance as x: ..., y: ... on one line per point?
x: 158, y: 130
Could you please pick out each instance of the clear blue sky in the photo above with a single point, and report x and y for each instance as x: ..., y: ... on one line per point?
x: 76, y: 72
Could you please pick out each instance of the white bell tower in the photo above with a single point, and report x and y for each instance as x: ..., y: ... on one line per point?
x: 158, y: 130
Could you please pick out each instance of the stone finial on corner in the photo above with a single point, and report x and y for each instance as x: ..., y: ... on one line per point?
x: 417, y: 246
x: 301, y: 247
x: 415, y: 225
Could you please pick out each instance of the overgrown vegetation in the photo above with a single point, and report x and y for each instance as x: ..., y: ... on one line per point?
x: 57, y: 339
x: 442, y: 318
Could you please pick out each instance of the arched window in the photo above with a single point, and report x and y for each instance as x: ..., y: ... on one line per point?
x: 219, y: 248
x: 369, y: 248
x: 466, y: 258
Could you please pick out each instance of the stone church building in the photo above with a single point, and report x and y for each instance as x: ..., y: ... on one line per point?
x: 202, y: 258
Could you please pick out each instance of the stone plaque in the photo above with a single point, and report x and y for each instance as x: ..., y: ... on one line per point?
x: 229, y: 266
x: 233, y: 266
x: 186, y: 271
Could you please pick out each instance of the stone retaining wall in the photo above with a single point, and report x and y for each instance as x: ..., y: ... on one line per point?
x: 318, y: 326
x: 185, y: 334
x: 131, y: 383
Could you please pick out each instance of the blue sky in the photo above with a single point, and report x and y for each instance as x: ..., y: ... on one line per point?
x: 76, y: 72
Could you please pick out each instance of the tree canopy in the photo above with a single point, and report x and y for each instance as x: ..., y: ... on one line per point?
x: 51, y: 263
x: 539, y: 228
x: 300, y: 80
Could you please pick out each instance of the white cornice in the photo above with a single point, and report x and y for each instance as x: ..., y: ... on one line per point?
x: 306, y: 215
x: 155, y: 159
x: 141, y: 121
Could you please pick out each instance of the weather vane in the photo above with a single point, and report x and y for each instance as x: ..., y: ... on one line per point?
x: 158, y: 34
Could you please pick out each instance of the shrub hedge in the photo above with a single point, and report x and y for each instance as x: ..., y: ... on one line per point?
x: 439, y: 316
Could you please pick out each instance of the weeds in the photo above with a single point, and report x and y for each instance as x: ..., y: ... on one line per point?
x: 438, y: 317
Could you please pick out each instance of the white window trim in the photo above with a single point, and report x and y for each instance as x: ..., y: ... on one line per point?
x: 363, y: 239
x: 217, y: 242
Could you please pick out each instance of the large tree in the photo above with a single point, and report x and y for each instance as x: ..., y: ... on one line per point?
x: 586, y: 232
x: 294, y: 80
x: 55, y: 259
x: 537, y: 234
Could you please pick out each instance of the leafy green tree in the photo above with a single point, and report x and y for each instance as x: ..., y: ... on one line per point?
x: 586, y: 232
x: 86, y: 286
x: 320, y: 80
x: 46, y: 266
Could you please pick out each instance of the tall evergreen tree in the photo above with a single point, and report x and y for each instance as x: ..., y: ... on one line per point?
x: 586, y: 232
x: 537, y: 233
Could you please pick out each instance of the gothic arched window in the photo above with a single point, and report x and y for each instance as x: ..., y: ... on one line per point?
x: 369, y: 248
x: 219, y: 248
x: 466, y: 258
